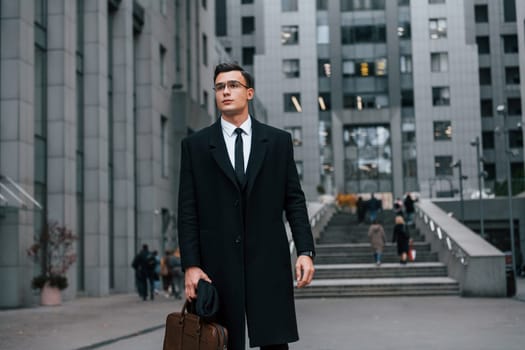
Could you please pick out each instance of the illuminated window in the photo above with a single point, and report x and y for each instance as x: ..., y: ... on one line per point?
x: 292, y: 102
x: 437, y: 28
x: 443, y: 130
x: 289, y: 35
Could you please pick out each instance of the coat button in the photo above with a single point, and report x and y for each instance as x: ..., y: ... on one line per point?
x: 238, y: 239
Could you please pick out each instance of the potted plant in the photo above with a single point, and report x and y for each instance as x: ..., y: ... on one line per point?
x: 55, y: 253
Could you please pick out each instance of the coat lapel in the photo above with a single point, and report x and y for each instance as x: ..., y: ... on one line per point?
x: 257, y: 154
x: 218, y: 151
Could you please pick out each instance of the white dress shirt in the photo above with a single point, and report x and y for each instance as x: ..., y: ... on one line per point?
x: 228, y: 131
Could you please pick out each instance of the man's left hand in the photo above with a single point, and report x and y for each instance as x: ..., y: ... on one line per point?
x: 304, y: 270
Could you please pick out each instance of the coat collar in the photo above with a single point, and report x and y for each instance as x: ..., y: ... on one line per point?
x: 218, y: 151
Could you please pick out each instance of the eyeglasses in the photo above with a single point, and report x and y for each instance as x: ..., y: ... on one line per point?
x: 231, y: 84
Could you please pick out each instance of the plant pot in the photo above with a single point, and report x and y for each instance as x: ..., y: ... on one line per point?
x: 50, y: 296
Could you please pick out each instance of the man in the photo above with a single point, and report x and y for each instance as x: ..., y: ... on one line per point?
x: 141, y: 267
x: 374, y: 206
x: 234, y: 188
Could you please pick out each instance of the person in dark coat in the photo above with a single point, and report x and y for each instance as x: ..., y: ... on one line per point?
x: 361, y: 209
x: 141, y: 267
x: 402, y: 237
x: 409, y: 208
x: 374, y: 206
x: 231, y: 229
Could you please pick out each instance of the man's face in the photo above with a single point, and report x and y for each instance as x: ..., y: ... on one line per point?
x: 232, y: 97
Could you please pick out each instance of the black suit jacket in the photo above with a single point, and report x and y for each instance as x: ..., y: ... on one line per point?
x: 237, y: 235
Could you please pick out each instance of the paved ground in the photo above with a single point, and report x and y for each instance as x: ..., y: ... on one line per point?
x: 123, y: 322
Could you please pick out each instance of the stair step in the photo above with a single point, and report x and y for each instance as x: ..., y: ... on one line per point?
x: 344, y: 265
x: 379, y: 287
x: 345, y: 271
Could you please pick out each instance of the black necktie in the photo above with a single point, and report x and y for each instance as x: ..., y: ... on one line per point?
x: 239, y: 157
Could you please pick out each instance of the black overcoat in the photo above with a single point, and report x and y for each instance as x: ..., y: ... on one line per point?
x: 237, y: 235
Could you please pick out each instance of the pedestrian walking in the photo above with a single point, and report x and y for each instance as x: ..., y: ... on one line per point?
x: 409, y: 208
x: 361, y: 210
x: 165, y: 273
x: 401, y: 236
x: 374, y: 206
x: 377, y: 237
x: 140, y: 265
x: 176, y: 274
x: 237, y: 178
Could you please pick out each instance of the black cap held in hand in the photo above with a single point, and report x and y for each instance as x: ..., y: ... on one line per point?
x: 207, y: 303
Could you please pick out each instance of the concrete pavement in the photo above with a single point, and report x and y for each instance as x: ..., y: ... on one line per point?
x: 125, y: 322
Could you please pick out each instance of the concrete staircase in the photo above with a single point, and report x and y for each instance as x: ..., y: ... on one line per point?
x: 345, y: 267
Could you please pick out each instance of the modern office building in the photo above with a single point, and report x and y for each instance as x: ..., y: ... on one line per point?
x: 383, y: 96
x: 96, y: 96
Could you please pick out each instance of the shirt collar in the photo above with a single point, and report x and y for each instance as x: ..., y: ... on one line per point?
x: 229, y: 128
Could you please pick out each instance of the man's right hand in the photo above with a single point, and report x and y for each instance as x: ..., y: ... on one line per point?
x: 191, y: 279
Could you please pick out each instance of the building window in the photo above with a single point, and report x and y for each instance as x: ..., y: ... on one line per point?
x: 289, y: 5
x: 247, y: 55
x: 221, y: 18
x: 509, y: 10
x: 364, y: 68
x: 204, y: 49
x: 483, y: 43
x: 164, y: 146
x: 485, y: 76
x: 516, y: 169
x: 510, y: 43
x: 244, y: 2
x: 437, y: 28
x: 162, y: 66
x: 490, y: 170
x: 481, y: 13
x: 442, y: 165
x: 297, y: 135
x: 323, y: 34
x: 404, y: 30
x: 407, y: 98
x: 443, y: 130
x: 204, y: 4
x: 322, y: 5
x: 514, y: 105
x: 248, y: 25
x: 436, y: 2
x: 362, y: 5
x: 403, y: 2
x: 291, y: 68
x: 405, y: 64
x: 439, y: 62
x: 324, y: 68
x: 515, y: 139
x: 324, y: 101
x: 363, y: 34
x: 292, y: 102
x: 487, y: 138
x: 441, y: 96
x: 486, y: 107
x: 512, y: 75
x: 289, y: 35
x: 365, y: 101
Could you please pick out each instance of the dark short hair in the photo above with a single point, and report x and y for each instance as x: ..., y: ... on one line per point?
x: 231, y: 66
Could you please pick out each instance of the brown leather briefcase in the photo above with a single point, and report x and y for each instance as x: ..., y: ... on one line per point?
x: 187, y: 331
